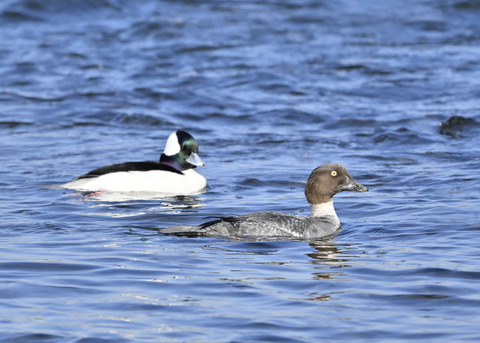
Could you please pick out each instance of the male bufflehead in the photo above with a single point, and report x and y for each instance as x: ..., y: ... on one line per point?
x: 174, y: 174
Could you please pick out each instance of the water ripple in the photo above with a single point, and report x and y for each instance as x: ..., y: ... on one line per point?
x: 270, y: 90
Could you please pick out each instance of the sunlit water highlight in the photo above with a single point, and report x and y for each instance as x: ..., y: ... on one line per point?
x: 270, y: 90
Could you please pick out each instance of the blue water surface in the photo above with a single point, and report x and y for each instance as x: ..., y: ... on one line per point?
x: 270, y: 90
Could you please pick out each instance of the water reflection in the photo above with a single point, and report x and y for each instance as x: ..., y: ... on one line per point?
x: 124, y: 205
x: 327, y: 257
x: 129, y: 196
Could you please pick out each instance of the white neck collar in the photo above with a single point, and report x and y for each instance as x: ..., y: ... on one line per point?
x: 323, y: 209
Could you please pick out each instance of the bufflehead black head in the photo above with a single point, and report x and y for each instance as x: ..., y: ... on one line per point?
x: 181, y: 151
x: 327, y: 180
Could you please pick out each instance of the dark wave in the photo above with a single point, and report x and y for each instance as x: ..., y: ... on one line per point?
x: 39, y: 10
x: 458, y: 126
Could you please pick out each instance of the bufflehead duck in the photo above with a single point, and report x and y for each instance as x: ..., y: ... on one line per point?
x: 174, y: 174
x: 324, y: 182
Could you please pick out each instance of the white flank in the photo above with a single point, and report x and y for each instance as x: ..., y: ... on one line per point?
x: 157, y: 181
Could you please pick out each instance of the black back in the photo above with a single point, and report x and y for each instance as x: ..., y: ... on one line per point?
x: 129, y: 166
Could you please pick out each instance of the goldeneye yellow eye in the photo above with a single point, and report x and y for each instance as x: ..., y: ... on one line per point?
x: 333, y: 173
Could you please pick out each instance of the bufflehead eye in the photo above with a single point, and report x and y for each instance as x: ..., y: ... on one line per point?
x: 333, y: 173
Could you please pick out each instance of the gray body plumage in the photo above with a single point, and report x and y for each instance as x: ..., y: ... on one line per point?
x: 323, y: 183
x: 264, y: 224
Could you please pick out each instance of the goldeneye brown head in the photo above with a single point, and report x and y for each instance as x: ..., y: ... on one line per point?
x: 327, y: 180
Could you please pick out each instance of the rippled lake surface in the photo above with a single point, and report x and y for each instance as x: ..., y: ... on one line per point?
x: 270, y: 89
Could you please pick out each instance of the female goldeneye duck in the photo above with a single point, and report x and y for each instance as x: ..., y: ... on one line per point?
x: 174, y: 174
x: 324, y: 182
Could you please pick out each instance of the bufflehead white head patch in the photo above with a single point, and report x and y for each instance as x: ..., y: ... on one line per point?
x: 172, y: 147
